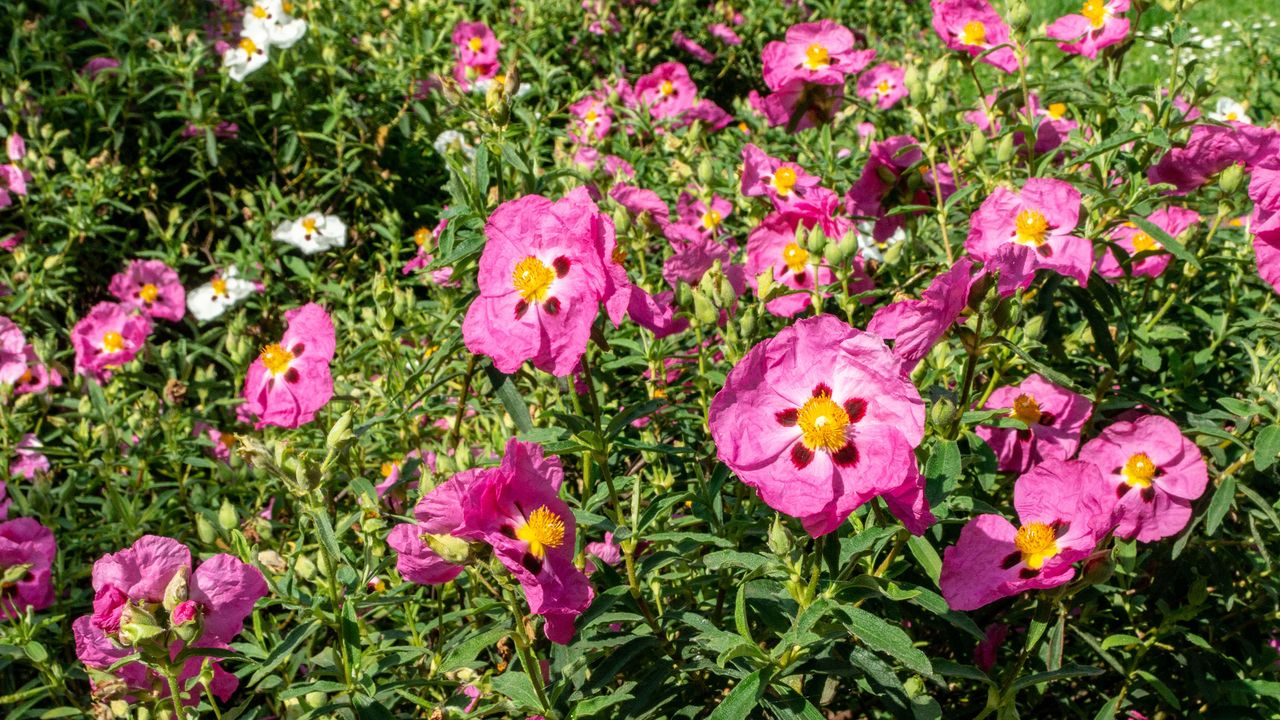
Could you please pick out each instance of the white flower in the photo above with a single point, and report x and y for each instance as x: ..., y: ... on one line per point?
x: 218, y: 295
x: 867, y: 245
x: 313, y: 233
x: 248, y: 55
x: 1229, y: 110
x: 272, y: 18
x: 453, y: 140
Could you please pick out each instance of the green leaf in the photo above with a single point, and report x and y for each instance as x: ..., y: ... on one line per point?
x: 510, y: 398
x: 1108, y: 711
x: 744, y: 698
x: 281, y: 652
x: 1070, y: 671
x: 1223, y: 499
x: 891, y: 640
x: 518, y: 687
x: 924, y: 554
x: 1168, y: 241
x: 1266, y: 447
x: 1119, y: 640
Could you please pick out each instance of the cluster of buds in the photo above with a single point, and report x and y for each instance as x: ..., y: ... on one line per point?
x: 144, y: 627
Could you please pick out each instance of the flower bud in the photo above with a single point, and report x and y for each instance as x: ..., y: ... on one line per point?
x: 779, y: 537
x: 175, y: 593
x: 205, y: 530
x: 271, y: 560
x: 1004, y: 151
x: 914, y: 84
x: 450, y: 549
x: 137, y: 624
x: 186, y: 621
x: 764, y: 283
x: 1018, y: 14
x: 703, y: 310
x: 1033, y: 328
x: 304, y: 567
x: 942, y: 413
x: 706, y: 171
x: 977, y: 143
x: 747, y: 322
x: 1008, y: 313
x: 937, y: 71
x: 817, y: 241
x: 1229, y: 180
x: 227, y: 516
x: 621, y: 219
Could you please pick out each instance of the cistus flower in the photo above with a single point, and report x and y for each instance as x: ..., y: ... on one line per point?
x: 1264, y: 190
x: 275, y: 20
x: 1229, y: 111
x: 312, y: 233
x: 1212, y: 149
x: 28, y: 460
x: 1099, y: 24
x: 685, y: 43
x: 1020, y: 231
x: 12, y: 180
x: 1133, y: 240
x: 819, y: 420
x: 1054, y: 417
x: 438, y: 514
x: 666, y: 91
x: 782, y: 181
x: 974, y: 27
x: 915, y: 326
x: 289, y: 381
x: 1063, y: 512
x: 1153, y: 474
x: 819, y: 53
x: 799, y: 105
x: 886, y: 180
x: 592, y: 118
x: 883, y: 85
x: 543, y: 273
x: 249, y: 54
x: 705, y: 216
x: 517, y: 510
x: 772, y: 246
x: 27, y: 551
x: 146, y: 597
x: 215, y: 297
x: 476, y: 51
x: 153, y: 288
x: 108, y: 337
x: 13, y: 361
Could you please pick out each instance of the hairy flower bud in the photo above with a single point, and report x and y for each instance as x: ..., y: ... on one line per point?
x: 175, y: 593
x: 137, y: 624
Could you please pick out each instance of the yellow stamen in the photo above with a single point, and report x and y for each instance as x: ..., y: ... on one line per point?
x: 219, y: 286
x: 1057, y: 110
x: 276, y: 358
x: 475, y: 44
x: 1037, y: 542
x: 112, y: 342
x: 1026, y: 409
x: 248, y: 46
x: 149, y: 293
x: 1139, y: 471
x: 420, y: 236
x: 795, y: 257
x: 1031, y: 226
x: 784, y: 180
x: 387, y: 469
x: 260, y: 12
x: 1232, y: 116
x: 973, y: 33
x: 711, y: 219
x: 816, y: 57
x: 666, y: 88
x: 287, y: 7
x: 1095, y: 11
x: 884, y: 87
x: 309, y: 224
x: 544, y: 530
x: 532, y: 278
x: 1143, y: 242
x: 823, y: 423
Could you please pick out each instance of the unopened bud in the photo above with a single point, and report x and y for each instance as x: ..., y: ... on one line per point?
x: 228, y: 518
x: 1017, y: 14
x: 621, y: 219
x: 205, y: 530
x: 817, y: 241
x: 977, y: 143
x: 450, y: 549
x: 915, y: 85
x: 779, y: 537
x: 175, y: 593
x: 706, y: 171
x: 137, y: 624
x: 943, y: 412
x: 703, y: 309
x: 304, y: 567
x: 1004, y: 151
x: 1229, y: 180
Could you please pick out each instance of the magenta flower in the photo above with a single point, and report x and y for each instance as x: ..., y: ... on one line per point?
x: 706, y: 217
x: 883, y: 85
x: 695, y: 254
x: 1051, y: 123
x: 772, y: 246
x: 147, y: 597
x: 108, y: 337
x: 782, y: 181
x: 1264, y: 190
x: 984, y: 653
x: 1152, y: 473
x: 27, y: 550
x: 12, y: 180
x: 1212, y: 149
x: 656, y: 313
x: 686, y: 44
x: 97, y: 66
x: 29, y: 460
x: 667, y: 91
x: 153, y: 288
x: 592, y: 118
x: 799, y: 105
x: 818, y: 420
x: 1133, y: 240
x: 1099, y: 24
x: 476, y: 51
x: 818, y: 53
x: 1054, y: 417
x: 516, y: 509
x: 543, y: 273
x: 645, y: 206
x: 885, y: 182
x: 606, y: 551
x: 290, y: 380
x: 13, y: 359
x: 974, y: 27
x: 15, y: 147
x: 724, y: 34
x: 915, y: 326
x: 38, y: 377
x: 1063, y: 512
x: 1019, y: 231
x: 222, y: 442
x: 439, y: 513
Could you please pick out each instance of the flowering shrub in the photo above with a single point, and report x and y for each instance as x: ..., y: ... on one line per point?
x: 585, y: 359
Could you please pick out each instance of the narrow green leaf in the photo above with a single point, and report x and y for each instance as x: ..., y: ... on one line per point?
x: 891, y: 640
x: 744, y: 698
x: 1223, y: 499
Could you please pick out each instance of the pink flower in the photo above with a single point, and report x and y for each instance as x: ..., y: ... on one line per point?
x: 781, y: 180
x: 695, y: 254
x: 698, y: 52
x: 1152, y: 473
x: 1100, y: 24
x: 476, y: 51
x: 607, y: 552
x: 883, y: 84
x: 707, y: 217
x: 1051, y: 123
x: 656, y: 313
x: 724, y: 34
x: 473, y: 692
x: 11, y: 242
x: 26, y: 543
x: 885, y: 182
x: 38, y: 377
x: 1133, y: 240
x: 96, y: 66
x: 132, y: 589
x: 290, y: 381
x: 799, y: 105
x: 667, y: 91
x: 440, y: 276
x: 645, y: 206
x: 15, y: 147
x: 1264, y: 190
x: 915, y: 326
x: 222, y: 442
x: 984, y: 654
x: 592, y: 118
x: 543, y: 273
x: 13, y: 361
x: 1210, y: 150
x: 1018, y: 232
x: 153, y: 288
x: 972, y: 26
x: 5, y: 501
x: 772, y: 246
x: 12, y: 180
x: 1054, y: 417
x: 1063, y: 512
x: 439, y: 513
x: 108, y: 337
x: 818, y: 53
x: 516, y: 509
x: 29, y: 460
x: 818, y: 420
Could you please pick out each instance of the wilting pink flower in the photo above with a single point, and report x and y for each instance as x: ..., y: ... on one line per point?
x: 15, y: 147
x: 984, y: 653
x: 543, y: 273
x: 883, y: 84
x: 290, y: 381
x: 724, y: 34
x: 695, y: 254
x: 607, y: 552
x: 11, y: 242
x: 667, y: 91
x: 516, y: 509
x: 1099, y: 24
x: 656, y: 312
x: 782, y: 181
x: 133, y: 588
x: 645, y: 206
x: 974, y: 27
x: 799, y: 105
x: 25, y: 543
x: 885, y: 181
x: 698, y: 52
x: 1019, y: 231
x: 915, y: 326
x: 439, y: 513
x: 223, y: 130
x: 1133, y: 240
x: 476, y: 50
x: 1054, y: 417
x: 1152, y: 473
x: 818, y: 420
x: 29, y: 460
x: 109, y: 336
x: 1063, y: 512
x: 99, y: 65
x: 153, y: 288
x: 1212, y: 149
x: 818, y: 53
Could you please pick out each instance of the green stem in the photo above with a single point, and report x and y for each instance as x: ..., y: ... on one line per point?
x: 527, y: 657
x: 171, y: 677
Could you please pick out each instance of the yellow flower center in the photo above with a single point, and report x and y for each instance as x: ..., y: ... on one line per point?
x: 592, y: 116
x: 309, y: 224
x: 544, y: 530
x: 475, y: 44
x: 532, y: 278
x: 287, y: 7
x: 248, y: 46
x: 666, y: 88
x: 26, y: 377
x: 711, y: 219
x: 259, y: 12
x: 884, y: 87
x: 1026, y: 409
x: 149, y: 293
x: 784, y: 180
x: 420, y: 236
x: 1139, y: 471
x: 823, y: 423
x: 1095, y: 11
x: 1143, y: 242
x: 1057, y: 110
x: 973, y: 33
x: 1031, y: 226
x: 816, y: 57
x: 1233, y: 116
x: 795, y: 257
x: 219, y: 286
x: 1037, y: 542
x: 276, y: 358
x: 387, y: 469
x: 112, y: 342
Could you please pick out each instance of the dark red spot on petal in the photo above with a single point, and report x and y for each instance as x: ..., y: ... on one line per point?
x: 531, y: 563
x: 787, y: 418
x: 801, y: 456
x: 1023, y: 435
x: 1148, y: 493
x: 800, y: 278
x: 856, y: 408
x: 522, y: 306
x: 821, y: 389
x: 561, y: 266
x: 552, y: 306
x: 1027, y: 573
x: 846, y: 456
x: 508, y: 531
x: 1122, y: 489
x: 291, y: 375
x: 1046, y: 418
x: 298, y: 349
x: 1010, y: 560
